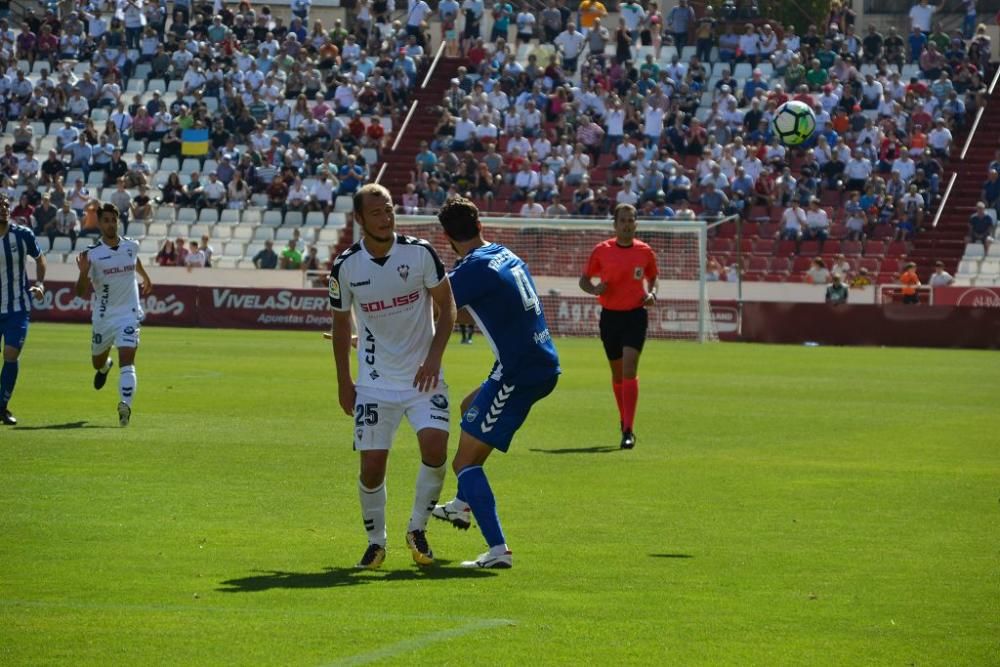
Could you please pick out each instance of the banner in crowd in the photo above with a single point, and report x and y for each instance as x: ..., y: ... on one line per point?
x: 967, y: 297
x: 194, y: 142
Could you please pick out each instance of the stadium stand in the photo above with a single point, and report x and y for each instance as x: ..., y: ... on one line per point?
x: 294, y: 115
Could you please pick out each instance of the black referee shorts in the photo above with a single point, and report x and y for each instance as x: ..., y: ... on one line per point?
x: 623, y: 328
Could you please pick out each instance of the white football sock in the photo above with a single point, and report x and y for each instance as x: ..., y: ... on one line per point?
x: 430, y: 481
x: 373, y: 512
x: 126, y: 384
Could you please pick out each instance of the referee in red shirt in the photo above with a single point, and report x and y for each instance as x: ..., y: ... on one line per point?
x: 626, y: 271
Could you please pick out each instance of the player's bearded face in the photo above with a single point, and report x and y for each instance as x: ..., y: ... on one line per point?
x: 379, y: 220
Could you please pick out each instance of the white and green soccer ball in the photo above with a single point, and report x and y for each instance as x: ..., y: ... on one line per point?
x: 794, y: 122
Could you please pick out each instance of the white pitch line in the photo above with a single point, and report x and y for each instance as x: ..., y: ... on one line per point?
x: 417, y: 643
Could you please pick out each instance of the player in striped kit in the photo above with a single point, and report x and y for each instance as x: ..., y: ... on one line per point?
x: 17, y: 243
x: 111, y: 265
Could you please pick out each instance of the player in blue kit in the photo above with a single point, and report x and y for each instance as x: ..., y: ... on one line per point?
x: 494, y: 286
x: 17, y: 243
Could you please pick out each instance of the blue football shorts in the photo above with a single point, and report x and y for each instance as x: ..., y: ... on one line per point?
x: 14, y: 329
x: 500, y: 409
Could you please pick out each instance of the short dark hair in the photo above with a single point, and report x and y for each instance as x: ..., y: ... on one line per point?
x: 624, y: 207
x: 460, y: 219
x: 108, y: 207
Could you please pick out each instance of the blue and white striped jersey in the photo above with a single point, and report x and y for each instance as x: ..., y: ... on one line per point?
x: 15, y: 247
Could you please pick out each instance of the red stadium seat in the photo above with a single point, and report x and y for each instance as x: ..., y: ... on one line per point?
x: 802, y: 263
x: 717, y: 245
x: 889, y: 265
x: 809, y: 248
x: 781, y: 264
x: 874, y: 248
x: 764, y: 246
x: 850, y: 248
x: 897, y: 249
x: 760, y: 264
x: 786, y: 248
x: 869, y: 263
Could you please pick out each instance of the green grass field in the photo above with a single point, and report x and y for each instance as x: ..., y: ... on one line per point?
x: 784, y: 506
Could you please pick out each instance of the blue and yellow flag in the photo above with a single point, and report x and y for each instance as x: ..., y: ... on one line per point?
x: 194, y: 142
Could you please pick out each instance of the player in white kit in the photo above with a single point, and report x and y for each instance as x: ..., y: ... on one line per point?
x: 392, y: 282
x: 111, y: 265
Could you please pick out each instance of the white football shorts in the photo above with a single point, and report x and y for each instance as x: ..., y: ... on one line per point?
x: 378, y: 412
x: 120, y: 332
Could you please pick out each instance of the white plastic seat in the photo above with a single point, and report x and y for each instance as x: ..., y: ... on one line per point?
x: 187, y: 215
x: 272, y: 218
x: 742, y: 71
x: 199, y: 230
x: 293, y: 219
x: 233, y: 249
x: 243, y: 232
x: 315, y: 219
x: 157, y: 230
x: 149, y: 246
x: 61, y: 244
x: 209, y: 215
x: 973, y: 251
x: 329, y: 236
x: 230, y: 215
x: 264, y: 234
x: 226, y: 262
x: 170, y: 164
x: 179, y: 229
x: 343, y: 204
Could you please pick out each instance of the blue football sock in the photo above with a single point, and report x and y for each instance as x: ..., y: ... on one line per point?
x: 460, y: 497
x: 8, y: 378
x: 475, y: 488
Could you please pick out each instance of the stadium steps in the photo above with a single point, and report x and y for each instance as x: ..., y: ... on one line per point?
x: 946, y: 242
x: 421, y: 128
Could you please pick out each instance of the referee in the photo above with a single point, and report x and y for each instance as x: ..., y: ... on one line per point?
x: 625, y: 268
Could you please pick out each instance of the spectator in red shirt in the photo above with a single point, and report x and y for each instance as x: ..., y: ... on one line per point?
x: 375, y: 133
x: 626, y: 271
x: 356, y: 127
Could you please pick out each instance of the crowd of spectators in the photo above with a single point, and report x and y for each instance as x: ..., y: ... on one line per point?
x: 290, y: 106
x: 574, y: 116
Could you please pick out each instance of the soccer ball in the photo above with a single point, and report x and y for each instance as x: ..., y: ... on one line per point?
x: 794, y: 122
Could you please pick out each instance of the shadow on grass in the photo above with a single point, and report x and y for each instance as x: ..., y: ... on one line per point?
x: 599, y: 449
x: 61, y: 427
x: 333, y: 577
x: 671, y: 556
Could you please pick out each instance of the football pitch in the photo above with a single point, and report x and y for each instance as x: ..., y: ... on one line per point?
x: 783, y: 506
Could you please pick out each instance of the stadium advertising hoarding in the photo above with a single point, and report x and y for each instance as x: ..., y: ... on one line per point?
x: 967, y: 297
x: 579, y: 316
x: 168, y: 304
x: 221, y: 307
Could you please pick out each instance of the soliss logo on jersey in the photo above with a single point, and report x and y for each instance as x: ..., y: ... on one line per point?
x: 439, y: 401
x: 404, y: 271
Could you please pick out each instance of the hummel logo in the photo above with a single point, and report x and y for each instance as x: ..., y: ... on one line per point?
x: 496, y: 407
